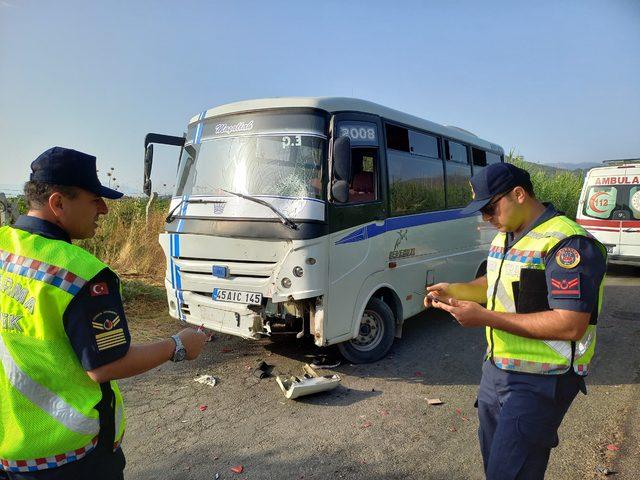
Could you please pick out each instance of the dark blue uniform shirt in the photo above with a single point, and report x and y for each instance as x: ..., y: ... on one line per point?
x: 96, y: 309
x: 580, y: 295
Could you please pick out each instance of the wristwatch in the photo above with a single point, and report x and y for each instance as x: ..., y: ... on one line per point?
x: 180, y: 352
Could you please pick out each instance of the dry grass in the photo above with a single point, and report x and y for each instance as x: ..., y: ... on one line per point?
x: 127, y: 242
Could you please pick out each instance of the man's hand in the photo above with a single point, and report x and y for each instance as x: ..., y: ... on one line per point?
x: 468, y: 314
x: 439, y: 290
x: 193, y: 341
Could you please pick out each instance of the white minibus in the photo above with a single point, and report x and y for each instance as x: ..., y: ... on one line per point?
x: 321, y: 217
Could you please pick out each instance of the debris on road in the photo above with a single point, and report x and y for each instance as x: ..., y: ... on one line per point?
x: 237, y: 469
x: 308, y: 384
x: 263, y: 370
x: 325, y: 361
x: 206, y: 380
x: 202, y: 408
x: 605, y: 471
x: 434, y: 401
x: 366, y: 424
x: 612, y: 448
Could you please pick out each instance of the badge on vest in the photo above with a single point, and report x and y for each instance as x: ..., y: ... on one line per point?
x: 565, y: 285
x: 567, y: 257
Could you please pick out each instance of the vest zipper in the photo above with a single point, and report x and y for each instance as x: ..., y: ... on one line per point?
x: 495, y: 292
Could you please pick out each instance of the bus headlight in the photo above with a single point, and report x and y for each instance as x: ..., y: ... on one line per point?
x: 298, y: 271
x: 286, y: 282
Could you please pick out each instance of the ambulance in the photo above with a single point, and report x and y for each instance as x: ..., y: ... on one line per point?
x: 609, y: 209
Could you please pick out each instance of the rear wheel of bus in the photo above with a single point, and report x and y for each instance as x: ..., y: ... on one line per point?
x: 375, y: 337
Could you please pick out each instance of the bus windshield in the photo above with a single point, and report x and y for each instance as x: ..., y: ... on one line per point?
x: 266, y: 159
x: 621, y: 202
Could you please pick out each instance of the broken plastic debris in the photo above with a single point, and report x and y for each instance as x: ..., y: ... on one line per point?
x: 612, y: 448
x: 206, y: 380
x: 434, y: 401
x: 384, y: 413
x: 263, y: 370
x: 366, y: 424
x: 237, y: 469
x: 458, y: 411
x: 308, y: 384
x: 202, y: 408
x: 605, y: 471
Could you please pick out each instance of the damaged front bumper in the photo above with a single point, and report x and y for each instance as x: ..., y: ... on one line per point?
x: 309, y: 384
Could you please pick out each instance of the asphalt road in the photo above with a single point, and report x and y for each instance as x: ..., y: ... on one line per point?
x: 377, y: 425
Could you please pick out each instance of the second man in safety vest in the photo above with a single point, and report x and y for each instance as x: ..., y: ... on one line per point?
x: 63, y: 332
x: 543, y: 292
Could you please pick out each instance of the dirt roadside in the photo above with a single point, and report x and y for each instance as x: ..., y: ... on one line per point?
x: 377, y: 424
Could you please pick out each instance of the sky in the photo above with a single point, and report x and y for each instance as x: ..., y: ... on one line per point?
x: 553, y: 81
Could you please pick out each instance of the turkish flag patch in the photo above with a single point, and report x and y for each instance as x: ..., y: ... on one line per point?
x: 565, y: 285
x: 98, y: 289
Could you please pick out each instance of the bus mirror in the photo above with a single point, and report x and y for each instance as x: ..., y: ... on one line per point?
x: 340, y: 191
x: 342, y: 159
x: 148, y: 162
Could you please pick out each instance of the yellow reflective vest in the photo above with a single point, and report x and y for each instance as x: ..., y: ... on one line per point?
x: 48, y: 414
x: 506, y: 267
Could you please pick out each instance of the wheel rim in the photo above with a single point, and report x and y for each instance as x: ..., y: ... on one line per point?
x: 371, y: 332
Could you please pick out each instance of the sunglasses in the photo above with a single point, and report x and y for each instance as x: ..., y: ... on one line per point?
x: 490, y: 208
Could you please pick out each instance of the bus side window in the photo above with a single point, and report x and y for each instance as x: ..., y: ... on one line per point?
x: 482, y: 158
x: 458, y: 173
x: 364, y: 179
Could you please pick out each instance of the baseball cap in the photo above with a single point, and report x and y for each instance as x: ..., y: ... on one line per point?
x: 493, y: 180
x: 64, y: 166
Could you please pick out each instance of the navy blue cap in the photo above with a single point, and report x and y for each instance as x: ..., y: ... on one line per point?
x: 493, y: 180
x: 64, y: 166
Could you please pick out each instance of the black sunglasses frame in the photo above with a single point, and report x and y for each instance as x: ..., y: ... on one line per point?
x: 490, y: 208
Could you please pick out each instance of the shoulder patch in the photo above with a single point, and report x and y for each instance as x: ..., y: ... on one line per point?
x: 565, y: 285
x: 98, y: 289
x: 109, y: 336
x: 106, y: 320
x: 567, y: 257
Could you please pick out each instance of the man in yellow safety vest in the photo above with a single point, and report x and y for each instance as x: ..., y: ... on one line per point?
x: 543, y: 292
x: 63, y: 332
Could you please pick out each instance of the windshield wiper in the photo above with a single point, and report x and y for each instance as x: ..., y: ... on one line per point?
x: 285, y: 220
x: 171, y: 215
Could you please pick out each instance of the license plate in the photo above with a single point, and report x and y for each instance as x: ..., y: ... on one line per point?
x: 236, y: 296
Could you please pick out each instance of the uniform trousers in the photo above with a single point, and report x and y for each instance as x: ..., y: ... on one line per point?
x: 519, y: 415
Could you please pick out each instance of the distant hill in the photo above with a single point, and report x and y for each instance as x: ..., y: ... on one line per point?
x: 574, y: 166
x: 10, y: 190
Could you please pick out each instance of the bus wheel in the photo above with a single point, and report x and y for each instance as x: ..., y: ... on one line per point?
x: 377, y: 331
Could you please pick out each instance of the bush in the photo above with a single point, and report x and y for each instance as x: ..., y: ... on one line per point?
x: 126, y: 241
x: 560, y: 187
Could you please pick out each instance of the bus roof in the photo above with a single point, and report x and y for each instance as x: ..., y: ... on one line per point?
x: 346, y: 104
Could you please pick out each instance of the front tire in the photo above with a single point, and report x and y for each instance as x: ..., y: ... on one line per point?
x: 375, y: 337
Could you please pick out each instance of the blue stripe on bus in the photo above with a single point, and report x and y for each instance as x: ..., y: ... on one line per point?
x: 396, y: 223
x: 199, y: 128
x: 183, y: 211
